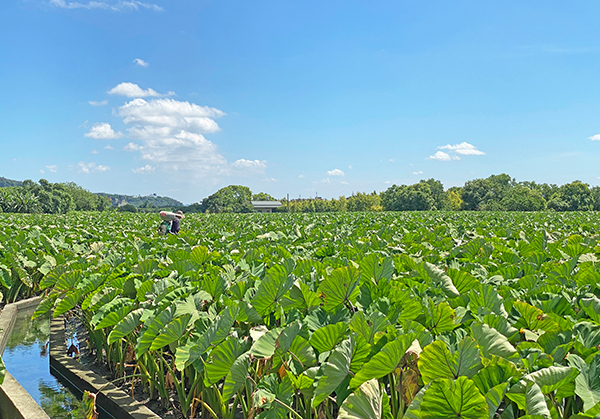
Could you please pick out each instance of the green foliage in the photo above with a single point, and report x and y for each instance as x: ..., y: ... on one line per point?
x: 352, y: 315
x: 233, y: 198
x: 127, y: 208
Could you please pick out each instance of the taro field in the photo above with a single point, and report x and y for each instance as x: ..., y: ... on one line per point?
x: 349, y: 315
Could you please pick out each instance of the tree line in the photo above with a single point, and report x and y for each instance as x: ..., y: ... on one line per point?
x: 495, y: 193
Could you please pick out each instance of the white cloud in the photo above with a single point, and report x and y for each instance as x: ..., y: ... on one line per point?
x: 109, y: 147
x: 140, y: 62
x: 350, y: 166
x: 167, y: 114
x: 101, y: 103
x: 42, y: 171
x: 103, y: 131
x: 387, y: 182
x: 392, y: 160
x: 94, y: 152
x: 256, y: 166
x: 343, y: 182
x: 440, y: 155
x: 91, y: 167
x: 335, y: 172
x: 147, y: 169
x: 594, y: 137
x: 301, y: 176
x: 463, y: 148
x: 420, y: 172
x: 271, y: 179
x: 133, y: 90
x: 122, y: 5
x: 52, y: 167
x: 132, y: 147
x: 169, y: 135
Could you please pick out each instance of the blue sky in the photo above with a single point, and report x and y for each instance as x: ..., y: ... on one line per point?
x: 182, y: 97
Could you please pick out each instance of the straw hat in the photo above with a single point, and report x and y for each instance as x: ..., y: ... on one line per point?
x: 179, y: 214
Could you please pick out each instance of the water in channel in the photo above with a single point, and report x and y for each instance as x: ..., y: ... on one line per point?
x: 27, y: 359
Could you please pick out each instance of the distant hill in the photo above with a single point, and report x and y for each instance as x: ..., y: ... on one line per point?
x: 4, y: 182
x: 142, y: 201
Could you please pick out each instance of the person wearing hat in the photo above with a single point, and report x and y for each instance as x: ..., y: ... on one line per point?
x: 176, y: 223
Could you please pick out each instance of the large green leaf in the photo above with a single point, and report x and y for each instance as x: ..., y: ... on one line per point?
x: 591, y: 306
x: 369, y: 327
x: 334, y: 371
x: 236, y: 377
x: 272, y: 289
x: 221, y: 359
x: 325, y: 338
x: 440, y: 317
x: 436, y: 361
x: 441, y: 278
x: 265, y: 347
x: 491, y: 341
x: 374, y: 269
x: 127, y: 325
x: 385, y: 361
x: 587, y: 383
x: 340, y: 287
x: 171, y: 332
x: 449, y: 398
x: 365, y: 403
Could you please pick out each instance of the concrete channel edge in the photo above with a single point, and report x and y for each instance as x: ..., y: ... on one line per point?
x: 15, y: 401
x: 115, y: 401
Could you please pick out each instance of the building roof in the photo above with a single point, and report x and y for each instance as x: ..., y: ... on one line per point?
x: 266, y: 204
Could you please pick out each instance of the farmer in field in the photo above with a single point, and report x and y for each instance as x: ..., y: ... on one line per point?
x: 176, y: 223
x: 171, y: 222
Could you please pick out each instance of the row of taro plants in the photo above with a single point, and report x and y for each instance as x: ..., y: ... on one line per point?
x: 346, y: 315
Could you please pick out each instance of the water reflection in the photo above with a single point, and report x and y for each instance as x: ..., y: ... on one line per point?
x: 26, y: 358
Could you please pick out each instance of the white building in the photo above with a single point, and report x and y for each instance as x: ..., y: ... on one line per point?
x: 265, y: 206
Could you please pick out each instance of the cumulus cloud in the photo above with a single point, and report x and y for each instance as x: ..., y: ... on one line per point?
x: 440, y: 155
x: 120, y: 6
x: 52, y: 167
x: 420, y: 172
x: 144, y: 170
x: 169, y: 134
x: 140, y: 62
x: 133, y: 90
x: 463, y: 148
x: 91, y: 167
x: 94, y: 152
x: 132, y: 147
x: 109, y: 147
x: 103, y: 131
x: 169, y: 114
x: 335, y: 172
x: 594, y: 137
x: 101, y: 103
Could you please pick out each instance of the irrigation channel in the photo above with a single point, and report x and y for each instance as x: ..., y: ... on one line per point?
x: 26, y: 357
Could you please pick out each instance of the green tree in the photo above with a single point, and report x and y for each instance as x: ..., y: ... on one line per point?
x: 455, y: 198
x: 574, y: 196
x: 417, y: 197
x: 84, y: 200
x: 522, y: 198
x: 127, y: 208
x: 486, y: 194
x: 262, y: 196
x: 232, y: 198
x: 364, y: 202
